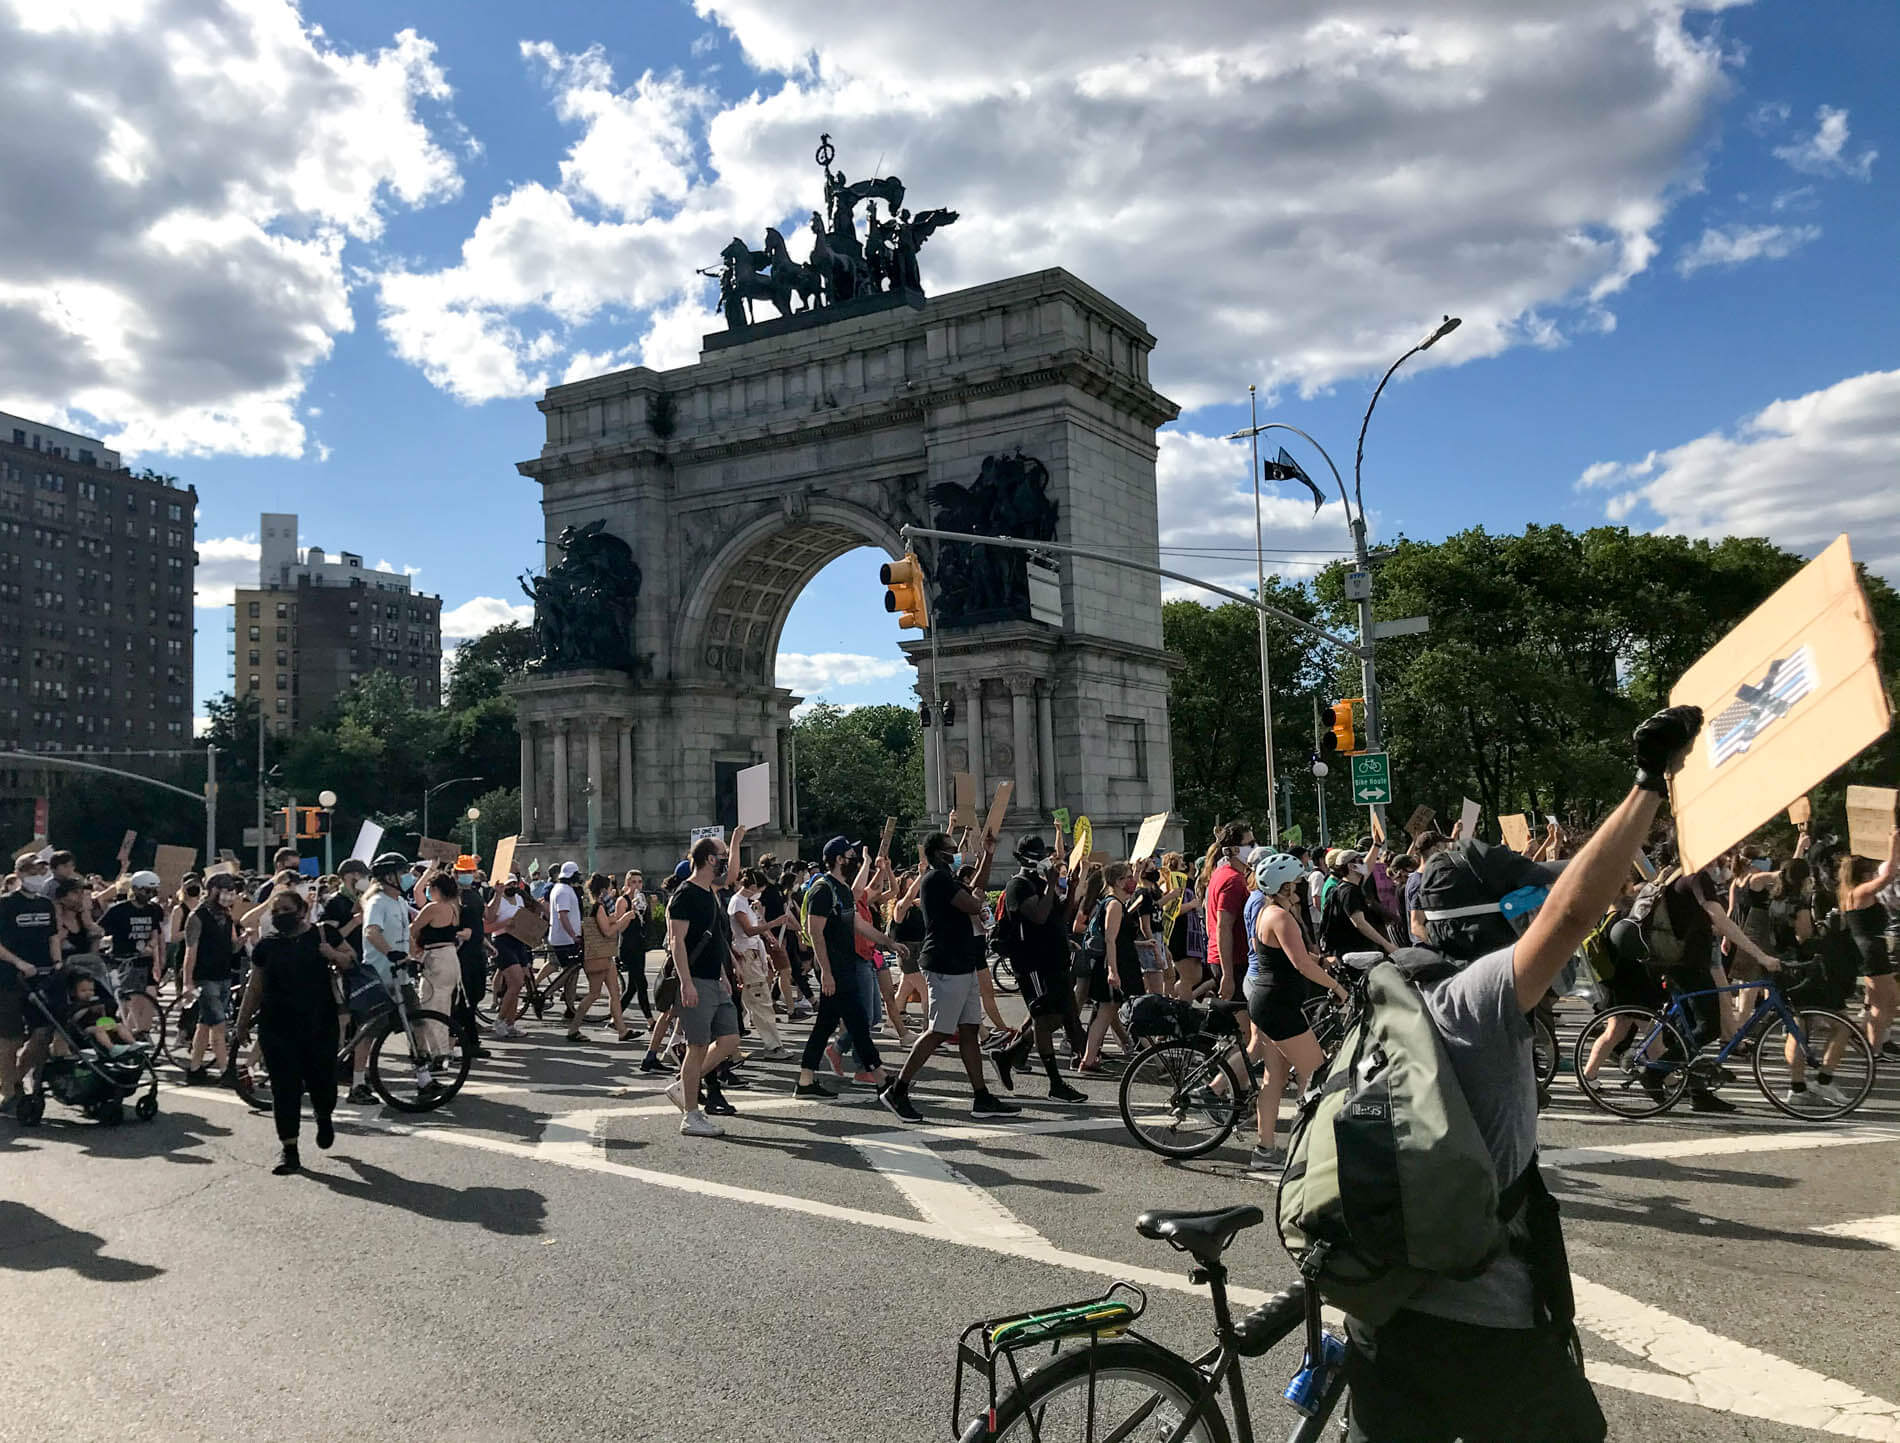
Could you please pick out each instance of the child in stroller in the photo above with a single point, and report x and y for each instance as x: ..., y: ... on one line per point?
x: 89, y: 1070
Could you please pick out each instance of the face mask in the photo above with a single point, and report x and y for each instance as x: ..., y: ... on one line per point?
x: 284, y: 921
x: 38, y: 886
x: 1762, y: 864
x: 1245, y: 853
x: 1045, y: 866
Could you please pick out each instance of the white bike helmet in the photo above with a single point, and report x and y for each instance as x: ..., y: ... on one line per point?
x: 145, y: 881
x: 1274, y: 870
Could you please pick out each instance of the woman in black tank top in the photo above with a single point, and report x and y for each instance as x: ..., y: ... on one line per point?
x: 1866, y: 921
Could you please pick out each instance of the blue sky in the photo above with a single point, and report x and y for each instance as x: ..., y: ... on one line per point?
x: 334, y: 281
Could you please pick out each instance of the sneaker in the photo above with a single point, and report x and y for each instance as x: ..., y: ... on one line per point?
x: 1828, y: 1093
x: 1062, y: 1092
x: 866, y: 1079
x: 288, y: 1164
x: 500, y: 1032
x: 1005, y: 1074
x: 1709, y: 1102
x: 651, y: 1063
x: 733, y: 1081
x: 896, y: 1098
x: 781, y: 1053
x: 516, y: 1032
x: 988, y: 1104
x: 815, y: 1091
x: 801, y: 1012
x: 676, y: 1094
x: 197, y: 1077
x: 1267, y: 1159
x: 697, y: 1124
x: 717, y: 1106
x: 326, y: 1134
x: 361, y: 1095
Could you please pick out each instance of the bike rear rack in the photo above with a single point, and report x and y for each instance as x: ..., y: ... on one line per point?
x: 979, y: 1348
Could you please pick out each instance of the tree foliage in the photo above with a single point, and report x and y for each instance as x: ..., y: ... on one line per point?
x: 856, y: 767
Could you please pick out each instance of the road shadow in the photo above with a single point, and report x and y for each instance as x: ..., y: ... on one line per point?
x: 170, y: 1135
x: 1672, y: 1215
x: 32, y: 1242
x: 515, y: 1211
x: 994, y: 1177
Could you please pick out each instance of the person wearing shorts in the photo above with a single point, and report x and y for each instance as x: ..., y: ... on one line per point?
x: 699, y: 937
x: 952, y: 957
x: 1036, y: 919
x: 1281, y: 977
x: 29, y: 955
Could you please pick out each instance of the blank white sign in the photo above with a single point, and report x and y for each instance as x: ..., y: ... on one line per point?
x: 755, y: 796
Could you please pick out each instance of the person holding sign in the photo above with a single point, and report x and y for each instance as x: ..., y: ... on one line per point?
x: 1860, y: 885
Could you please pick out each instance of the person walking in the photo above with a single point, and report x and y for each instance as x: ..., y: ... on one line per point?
x: 438, y: 932
x: 601, y: 929
x: 290, y: 998
x: 504, y: 921
x: 835, y: 930
x: 700, y: 940
x: 749, y: 934
x: 633, y: 943
x: 1860, y: 882
x: 1035, y: 919
x: 952, y: 956
x: 564, y: 932
x: 211, y: 952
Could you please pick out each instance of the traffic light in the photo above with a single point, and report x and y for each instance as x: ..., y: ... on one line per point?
x: 1337, y: 728
x: 904, y: 590
x: 286, y: 825
x: 316, y: 822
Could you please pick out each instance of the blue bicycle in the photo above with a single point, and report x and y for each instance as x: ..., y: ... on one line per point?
x: 1812, y: 1063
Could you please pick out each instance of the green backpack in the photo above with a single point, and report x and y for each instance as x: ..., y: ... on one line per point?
x: 1388, y: 1182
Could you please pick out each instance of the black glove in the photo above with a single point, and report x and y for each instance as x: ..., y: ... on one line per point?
x: 1662, y: 745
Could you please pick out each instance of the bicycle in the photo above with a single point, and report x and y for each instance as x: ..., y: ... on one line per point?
x: 1182, y: 1096
x: 1545, y: 1053
x: 1121, y: 1384
x: 423, y: 1081
x: 1656, y: 1062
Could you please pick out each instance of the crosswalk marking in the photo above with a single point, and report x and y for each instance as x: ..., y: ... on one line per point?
x: 1882, y: 1230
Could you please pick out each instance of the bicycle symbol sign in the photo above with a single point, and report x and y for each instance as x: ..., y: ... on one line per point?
x: 1371, y: 779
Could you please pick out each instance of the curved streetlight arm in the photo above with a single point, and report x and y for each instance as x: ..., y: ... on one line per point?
x: 451, y: 782
x: 1359, y: 455
x: 1283, y: 426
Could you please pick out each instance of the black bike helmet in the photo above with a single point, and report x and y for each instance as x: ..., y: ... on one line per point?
x: 390, y: 865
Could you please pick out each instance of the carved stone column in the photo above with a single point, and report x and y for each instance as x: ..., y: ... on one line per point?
x: 1046, y: 746
x: 530, y: 824
x: 624, y: 734
x: 1022, y: 688
x: 559, y: 728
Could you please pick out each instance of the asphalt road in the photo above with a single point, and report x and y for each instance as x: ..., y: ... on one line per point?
x: 548, y: 1258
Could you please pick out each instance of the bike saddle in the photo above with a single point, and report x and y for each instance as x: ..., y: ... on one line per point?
x: 1227, y: 1004
x: 1206, y: 1235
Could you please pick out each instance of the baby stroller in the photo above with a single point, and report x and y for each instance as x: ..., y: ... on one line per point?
x: 91, y: 1082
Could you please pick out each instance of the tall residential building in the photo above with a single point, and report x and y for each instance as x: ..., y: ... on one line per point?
x: 96, y: 572
x: 315, y: 625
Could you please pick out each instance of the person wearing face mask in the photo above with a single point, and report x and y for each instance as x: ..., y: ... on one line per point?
x: 29, y: 959
x: 135, y: 928
x: 290, y: 997
x: 700, y: 940
x: 1343, y: 924
x: 1118, y: 969
x: 755, y: 964
x: 834, y: 925
x: 211, y: 947
x: 952, y: 957
x: 1035, y: 921
x: 1227, y: 904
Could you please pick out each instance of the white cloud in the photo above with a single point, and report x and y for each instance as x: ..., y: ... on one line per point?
x: 224, y: 564
x: 1286, y: 193
x: 1825, y: 152
x: 187, y: 176
x: 481, y: 614
x: 200, y: 725
x: 1737, y: 244
x: 1798, y: 472
x: 819, y: 671
x: 1207, y: 513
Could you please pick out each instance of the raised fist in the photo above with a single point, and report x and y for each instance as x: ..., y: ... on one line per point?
x: 1662, y: 745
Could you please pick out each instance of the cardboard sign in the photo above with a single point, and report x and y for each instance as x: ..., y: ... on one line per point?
x: 1420, y: 821
x: 1516, y: 828
x: 1149, y: 837
x: 1801, y: 812
x: 884, y: 837
x: 1378, y: 826
x: 225, y: 855
x: 432, y: 849
x: 369, y: 837
x: 504, y: 859
x: 222, y: 869
x: 171, y: 864
x: 1293, y: 836
x: 999, y: 804
x: 755, y: 796
x: 962, y: 800
x: 1468, y: 820
x: 1870, y: 813
x: 1789, y: 696
x: 125, y: 848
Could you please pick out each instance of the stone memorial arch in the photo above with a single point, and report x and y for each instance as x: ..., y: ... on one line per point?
x: 685, y: 510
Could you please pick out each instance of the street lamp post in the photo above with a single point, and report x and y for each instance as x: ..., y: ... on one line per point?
x: 327, y: 800
x: 436, y: 788
x: 474, y: 837
x: 1260, y: 617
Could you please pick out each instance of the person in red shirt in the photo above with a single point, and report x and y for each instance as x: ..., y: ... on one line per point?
x: 1227, y: 905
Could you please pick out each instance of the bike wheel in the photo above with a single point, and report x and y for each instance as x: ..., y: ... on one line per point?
x: 406, y: 1069
x: 1172, y: 1099
x: 1825, y: 1038
x: 251, y: 1078
x: 177, y: 1021
x: 1646, y: 1074
x: 1003, y: 976
x: 1121, y: 1390
x: 1543, y: 1050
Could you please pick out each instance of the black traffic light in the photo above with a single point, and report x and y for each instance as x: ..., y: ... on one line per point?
x: 1328, y: 739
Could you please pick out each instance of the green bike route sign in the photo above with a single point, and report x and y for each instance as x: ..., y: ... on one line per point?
x: 1371, y: 779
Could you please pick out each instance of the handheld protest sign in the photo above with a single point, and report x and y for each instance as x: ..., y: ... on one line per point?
x: 999, y: 804
x: 433, y: 849
x: 369, y: 837
x: 1801, y: 812
x: 963, y: 800
x: 755, y: 795
x: 1378, y: 826
x: 171, y: 864
x: 1870, y: 813
x: 884, y: 837
x: 1790, y: 695
x: 125, y: 849
x: 1468, y: 820
x: 1516, y: 828
x: 1420, y: 821
x: 504, y: 859
x: 1149, y: 837
x: 1084, y: 840
x: 1060, y: 816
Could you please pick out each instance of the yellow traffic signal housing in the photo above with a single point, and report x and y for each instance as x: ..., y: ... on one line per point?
x: 904, y: 591
x: 1343, y: 734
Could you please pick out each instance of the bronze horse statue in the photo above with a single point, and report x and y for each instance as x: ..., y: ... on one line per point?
x: 803, y: 279
x: 746, y: 280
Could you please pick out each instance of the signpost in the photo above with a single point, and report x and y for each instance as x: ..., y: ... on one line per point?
x: 1371, y: 779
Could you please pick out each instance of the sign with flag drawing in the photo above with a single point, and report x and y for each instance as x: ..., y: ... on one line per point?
x: 1788, y: 696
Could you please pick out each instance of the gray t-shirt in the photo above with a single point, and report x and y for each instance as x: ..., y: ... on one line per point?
x: 1489, y: 1042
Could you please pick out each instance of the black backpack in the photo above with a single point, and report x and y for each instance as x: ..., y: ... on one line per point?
x: 1006, y: 931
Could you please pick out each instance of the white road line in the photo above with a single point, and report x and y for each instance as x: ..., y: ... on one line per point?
x: 1728, y: 1144
x: 1697, y: 1367
x: 1883, y: 1230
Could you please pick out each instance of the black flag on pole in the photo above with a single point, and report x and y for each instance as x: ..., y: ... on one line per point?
x: 1284, y: 468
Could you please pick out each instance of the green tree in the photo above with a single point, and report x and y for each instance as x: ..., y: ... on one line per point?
x: 480, y: 667
x: 856, y: 767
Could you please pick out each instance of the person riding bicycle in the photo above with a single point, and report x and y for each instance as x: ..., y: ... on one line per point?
x: 385, y: 948
x: 1494, y: 1358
